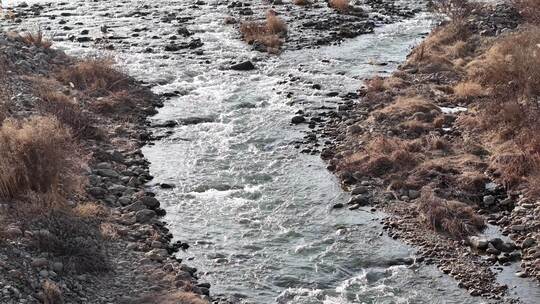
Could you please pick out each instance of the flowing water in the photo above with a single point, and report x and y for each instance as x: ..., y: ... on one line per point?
x: 256, y: 212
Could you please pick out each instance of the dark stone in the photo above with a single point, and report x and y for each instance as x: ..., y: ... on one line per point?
x: 244, y: 66
x: 298, y: 119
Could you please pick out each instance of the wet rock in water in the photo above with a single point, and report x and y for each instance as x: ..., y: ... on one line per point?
x: 196, y: 120
x: 359, y: 190
x: 478, y: 243
x: 244, y: 66
x: 338, y: 206
x: 361, y: 200
x: 144, y: 216
x: 165, y: 124
x: 166, y: 186
x: 298, y: 119
x: 150, y: 202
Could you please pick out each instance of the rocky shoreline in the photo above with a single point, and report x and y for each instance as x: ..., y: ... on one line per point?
x: 380, y: 123
x: 141, y: 267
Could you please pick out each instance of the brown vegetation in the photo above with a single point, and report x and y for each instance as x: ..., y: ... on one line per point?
x: 36, y: 39
x: 52, y: 292
x: 341, y: 6
x: 301, y: 2
x: 268, y: 33
x: 452, y: 218
x: 37, y: 155
x: 97, y: 77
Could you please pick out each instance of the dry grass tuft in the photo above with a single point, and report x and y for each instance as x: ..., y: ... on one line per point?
x: 469, y: 89
x: 382, y: 156
x: 405, y: 107
x: 97, y: 77
x: 37, y: 155
x: 453, y: 218
x: 267, y: 33
x: 68, y: 111
x: 91, y: 210
x: 274, y: 24
x: 341, y: 6
x: 52, y: 292
x: 512, y: 66
x: 37, y: 39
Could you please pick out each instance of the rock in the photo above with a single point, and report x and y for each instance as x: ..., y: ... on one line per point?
x: 298, y: 119
x: 157, y: 255
x: 13, y: 232
x: 489, y: 200
x: 492, y: 250
x: 528, y: 242
x: 97, y: 192
x: 107, y: 173
x: 57, y: 267
x: 144, y: 216
x: 150, y: 202
x: 413, y: 194
x: 137, y: 206
x: 517, y: 228
x: 39, y: 262
x: 359, y: 190
x: 358, y: 200
x: 244, y: 66
x: 478, y: 243
x: 166, y: 186
x: 338, y: 206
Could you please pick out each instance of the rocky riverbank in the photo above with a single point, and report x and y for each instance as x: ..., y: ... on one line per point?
x: 439, y: 146
x: 102, y: 242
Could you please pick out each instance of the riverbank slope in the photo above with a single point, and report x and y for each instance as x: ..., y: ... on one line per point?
x: 77, y: 225
x: 448, y: 144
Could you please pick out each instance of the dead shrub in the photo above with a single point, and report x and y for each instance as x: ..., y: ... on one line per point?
x: 75, y: 240
x: 36, y: 39
x: 52, y: 292
x: 179, y: 297
x: 529, y: 9
x: 37, y: 155
x: 341, y: 6
x: 513, y: 167
x: 97, y: 77
x: 452, y: 218
x: 117, y: 102
x: 68, y: 112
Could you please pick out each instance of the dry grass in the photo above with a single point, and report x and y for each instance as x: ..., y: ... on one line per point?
x: 91, y: 210
x: 405, y: 107
x: 444, y: 42
x: 529, y: 9
x: 36, y: 39
x: 68, y: 111
x: 96, y: 77
x: 52, y: 292
x: 274, y: 24
x: 382, y: 156
x: 469, y: 89
x: 37, y: 155
x: 267, y: 33
x: 341, y: 6
x: 512, y: 66
x: 453, y: 218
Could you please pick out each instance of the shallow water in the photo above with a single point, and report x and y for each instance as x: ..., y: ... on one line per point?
x: 256, y: 212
